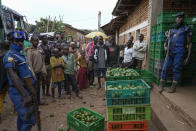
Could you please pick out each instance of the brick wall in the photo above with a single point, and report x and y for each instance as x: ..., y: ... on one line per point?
x: 74, y: 33
x: 137, y: 16
x: 188, y: 6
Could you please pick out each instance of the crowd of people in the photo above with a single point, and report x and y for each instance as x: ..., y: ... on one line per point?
x: 59, y: 65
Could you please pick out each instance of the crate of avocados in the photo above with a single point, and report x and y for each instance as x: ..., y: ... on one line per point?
x: 114, y: 74
x: 129, y: 92
x: 147, y: 76
x: 83, y: 119
x: 128, y: 126
x: 128, y: 113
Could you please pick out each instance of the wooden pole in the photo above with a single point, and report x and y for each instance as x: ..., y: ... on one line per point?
x: 99, y: 20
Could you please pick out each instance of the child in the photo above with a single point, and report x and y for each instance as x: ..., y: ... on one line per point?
x: 100, y: 58
x: 35, y: 59
x: 57, y: 65
x: 70, y: 72
x: 82, y: 78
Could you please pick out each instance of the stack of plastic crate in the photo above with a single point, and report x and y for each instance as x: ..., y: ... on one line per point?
x: 152, y: 48
x: 128, y: 106
x: 165, y: 21
x: 189, y: 71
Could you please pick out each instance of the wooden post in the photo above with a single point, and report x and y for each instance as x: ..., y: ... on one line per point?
x: 99, y: 20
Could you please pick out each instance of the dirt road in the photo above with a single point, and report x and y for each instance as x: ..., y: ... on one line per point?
x: 93, y: 99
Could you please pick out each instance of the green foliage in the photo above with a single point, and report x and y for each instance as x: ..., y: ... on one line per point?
x: 41, y: 26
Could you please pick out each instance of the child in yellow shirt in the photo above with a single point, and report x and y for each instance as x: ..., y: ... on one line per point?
x: 57, y: 65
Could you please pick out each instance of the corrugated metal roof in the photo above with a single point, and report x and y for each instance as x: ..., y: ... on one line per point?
x: 11, y: 10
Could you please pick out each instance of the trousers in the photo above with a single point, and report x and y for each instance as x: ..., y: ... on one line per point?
x: 22, y: 124
x: 137, y: 64
x: 174, y: 62
x: 38, y: 84
x: 71, y: 80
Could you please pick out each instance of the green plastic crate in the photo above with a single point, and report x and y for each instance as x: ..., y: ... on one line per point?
x: 151, y: 62
x: 164, y: 27
x: 159, y: 47
x: 167, y: 17
x: 160, y: 55
x: 114, y: 78
x: 161, y: 37
x: 194, y: 39
x: 191, y: 21
x: 152, y: 48
x: 75, y: 124
x: 129, y: 113
x: 153, y: 38
x: 152, y: 54
x: 151, y: 68
x: 154, y: 29
x: 147, y: 76
x: 127, y: 96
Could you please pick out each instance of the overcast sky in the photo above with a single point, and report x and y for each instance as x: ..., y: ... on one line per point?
x: 81, y: 14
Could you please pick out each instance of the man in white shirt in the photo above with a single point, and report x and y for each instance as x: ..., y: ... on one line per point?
x: 139, y: 51
x: 128, y: 54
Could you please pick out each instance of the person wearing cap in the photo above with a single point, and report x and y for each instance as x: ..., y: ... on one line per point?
x: 17, y: 71
x: 178, y: 41
x: 139, y: 47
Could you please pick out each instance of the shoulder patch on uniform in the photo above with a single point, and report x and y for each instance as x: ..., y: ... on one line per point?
x: 10, y: 59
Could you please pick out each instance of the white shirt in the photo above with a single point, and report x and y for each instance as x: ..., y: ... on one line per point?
x: 139, y: 50
x: 128, y: 55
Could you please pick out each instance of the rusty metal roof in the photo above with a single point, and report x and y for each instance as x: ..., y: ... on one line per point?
x: 114, y: 24
x: 124, y: 7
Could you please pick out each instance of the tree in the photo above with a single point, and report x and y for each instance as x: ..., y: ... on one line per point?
x: 41, y: 26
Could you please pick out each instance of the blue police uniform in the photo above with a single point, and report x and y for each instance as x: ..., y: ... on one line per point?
x: 14, y: 59
x: 177, y: 54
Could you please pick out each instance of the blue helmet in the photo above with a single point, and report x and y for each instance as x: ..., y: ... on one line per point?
x: 20, y: 35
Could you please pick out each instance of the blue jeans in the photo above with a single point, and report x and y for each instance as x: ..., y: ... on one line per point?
x: 175, y: 62
x: 22, y: 125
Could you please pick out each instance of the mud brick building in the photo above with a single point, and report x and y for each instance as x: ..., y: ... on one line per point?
x: 76, y: 34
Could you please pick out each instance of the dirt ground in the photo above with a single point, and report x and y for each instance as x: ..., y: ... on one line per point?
x: 93, y: 99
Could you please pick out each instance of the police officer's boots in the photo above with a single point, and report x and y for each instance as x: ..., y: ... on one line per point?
x: 172, y: 89
x: 161, y: 86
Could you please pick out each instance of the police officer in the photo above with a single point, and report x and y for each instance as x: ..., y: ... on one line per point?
x: 17, y: 72
x: 179, y: 38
